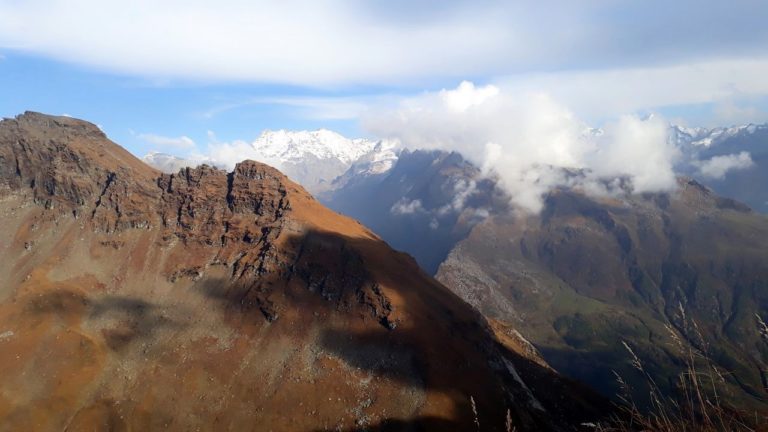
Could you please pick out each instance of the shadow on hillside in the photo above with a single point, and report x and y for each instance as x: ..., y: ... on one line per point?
x: 444, y: 347
x: 132, y: 318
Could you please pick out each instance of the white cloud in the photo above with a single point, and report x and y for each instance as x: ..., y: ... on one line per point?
x: 732, y: 86
x: 652, y: 60
x: 601, y: 93
x: 718, y: 166
x: 638, y: 149
x: 405, y: 207
x: 467, y: 96
x: 333, y: 42
x: 463, y: 190
x: 529, y: 141
x: 181, y: 142
x: 731, y: 111
x: 318, y: 42
x: 227, y: 154
x: 315, y: 108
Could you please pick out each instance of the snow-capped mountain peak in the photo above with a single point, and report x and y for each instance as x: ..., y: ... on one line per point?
x: 705, y: 137
x: 283, y: 146
x: 312, y: 158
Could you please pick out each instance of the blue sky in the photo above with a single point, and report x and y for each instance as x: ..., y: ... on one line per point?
x: 128, y: 106
x: 177, y: 68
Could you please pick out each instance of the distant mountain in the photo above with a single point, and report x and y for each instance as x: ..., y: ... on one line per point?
x: 284, y: 146
x: 709, y: 137
x: 424, y: 204
x: 314, y: 159
x: 378, y: 161
x: 710, y: 153
x: 214, y: 300
x: 693, y: 237
x: 588, y: 274
x: 733, y: 161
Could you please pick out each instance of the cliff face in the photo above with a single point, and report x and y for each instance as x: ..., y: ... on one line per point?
x: 668, y: 274
x: 135, y: 300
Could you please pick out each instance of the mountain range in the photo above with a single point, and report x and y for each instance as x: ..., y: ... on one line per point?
x: 663, y: 275
x: 744, y: 149
x: 726, y: 159
x: 312, y: 158
x: 232, y: 300
x: 659, y: 272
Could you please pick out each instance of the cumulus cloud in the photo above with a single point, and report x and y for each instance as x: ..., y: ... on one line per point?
x: 636, y: 148
x: 463, y: 190
x: 220, y: 154
x: 530, y: 142
x: 407, y: 207
x: 718, y: 166
x: 467, y: 96
x: 226, y: 155
x: 181, y: 142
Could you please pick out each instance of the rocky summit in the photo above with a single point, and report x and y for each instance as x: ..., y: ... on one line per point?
x: 211, y: 300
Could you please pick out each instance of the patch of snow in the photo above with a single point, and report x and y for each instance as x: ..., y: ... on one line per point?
x: 6, y: 335
x: 379, y: 160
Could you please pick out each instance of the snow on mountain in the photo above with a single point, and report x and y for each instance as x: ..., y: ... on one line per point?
x: 374, y: 163
x: 379, y: 160
x: 728, y: 148
x: 707, y: 137
x: 291, y: 146
x: 323, y: 161
x: 382, y: 158
x: 316, y: 158
x: 312, y: 158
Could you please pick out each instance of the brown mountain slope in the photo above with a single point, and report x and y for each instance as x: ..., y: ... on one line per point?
x: 588, y: 274
x: 131, y: 300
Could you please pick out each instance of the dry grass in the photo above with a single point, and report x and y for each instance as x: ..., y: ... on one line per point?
x: 698, y: 403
